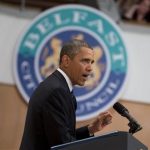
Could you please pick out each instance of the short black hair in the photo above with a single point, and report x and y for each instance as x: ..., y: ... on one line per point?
x: 72, y: 47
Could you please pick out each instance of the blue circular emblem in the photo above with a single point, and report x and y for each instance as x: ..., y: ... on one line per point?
x: 37, y: 55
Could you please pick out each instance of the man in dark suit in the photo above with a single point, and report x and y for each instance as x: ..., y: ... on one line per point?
x: 51, y: 112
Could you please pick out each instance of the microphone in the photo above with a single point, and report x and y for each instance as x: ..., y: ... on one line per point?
x: 133, y: 124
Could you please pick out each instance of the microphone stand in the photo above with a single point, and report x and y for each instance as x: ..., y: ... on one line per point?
x: 133, y: 124
x: 134, y: 127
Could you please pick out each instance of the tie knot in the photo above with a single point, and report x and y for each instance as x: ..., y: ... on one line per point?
x: 74, y: 99
x: 71, y: 92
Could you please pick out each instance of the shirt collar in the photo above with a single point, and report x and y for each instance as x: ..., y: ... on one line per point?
x: 66, y: 78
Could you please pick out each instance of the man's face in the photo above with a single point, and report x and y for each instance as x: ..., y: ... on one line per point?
x: 80, y: 67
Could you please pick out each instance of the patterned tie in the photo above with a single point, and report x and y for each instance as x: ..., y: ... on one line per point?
x: 74, y: 100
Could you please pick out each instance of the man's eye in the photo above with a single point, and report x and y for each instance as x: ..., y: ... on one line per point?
x: 85, y: 61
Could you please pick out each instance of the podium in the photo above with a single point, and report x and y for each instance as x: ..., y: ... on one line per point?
x: 117, y: 140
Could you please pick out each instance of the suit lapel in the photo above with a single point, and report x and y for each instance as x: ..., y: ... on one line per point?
x: 65, y: 85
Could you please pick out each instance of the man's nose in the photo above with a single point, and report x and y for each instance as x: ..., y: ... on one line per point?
x: 90, y: 68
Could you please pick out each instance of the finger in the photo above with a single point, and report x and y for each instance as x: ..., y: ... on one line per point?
x: 103, y: 114
x: 106, y: 120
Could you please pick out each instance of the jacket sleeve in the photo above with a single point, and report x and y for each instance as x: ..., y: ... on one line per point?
x: 82, y: 133
x: 56, y: 118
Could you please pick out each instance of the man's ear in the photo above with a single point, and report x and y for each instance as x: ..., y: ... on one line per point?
x: 65, y: 60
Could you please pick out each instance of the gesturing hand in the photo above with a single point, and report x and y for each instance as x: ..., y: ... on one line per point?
x: 100, y: 122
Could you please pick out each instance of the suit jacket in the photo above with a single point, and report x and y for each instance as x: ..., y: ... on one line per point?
x: 50, y: 117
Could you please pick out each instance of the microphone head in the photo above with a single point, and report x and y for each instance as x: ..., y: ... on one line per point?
x: 120, y: 108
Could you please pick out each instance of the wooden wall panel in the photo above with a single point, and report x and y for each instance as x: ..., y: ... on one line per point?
x: 13, y: 112
x: 12, y: 116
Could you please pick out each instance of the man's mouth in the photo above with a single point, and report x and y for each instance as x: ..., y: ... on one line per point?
x: 85, y: 76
